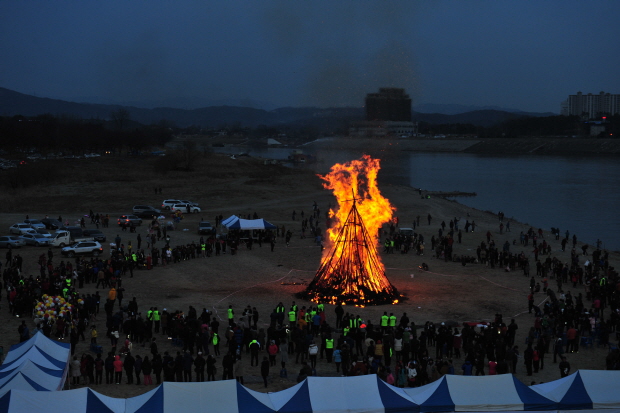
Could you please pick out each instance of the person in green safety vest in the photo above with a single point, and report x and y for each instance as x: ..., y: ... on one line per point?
x: 65, y: 292
x: 329, y: 348
x: 254, y: 347
x: 280, y: 309
x: 392, y: 320
x: 294, y: 307
x: 203, y: 248
x: 345, y: 331
x: 149, y: 319
x: 216, y: 343
x: 321, y: 307
x: 385, y: 319
x: 353, y: 322
x: 231, y: 315
x: 157, y: 319
x: 292, y: 318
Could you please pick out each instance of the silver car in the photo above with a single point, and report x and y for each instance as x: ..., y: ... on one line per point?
x: 35, y: 239
x: 11, y: 241
x: 19, y: 228
x: 34, y: 223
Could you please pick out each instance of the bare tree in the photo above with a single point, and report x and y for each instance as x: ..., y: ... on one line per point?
x: 120, y: 117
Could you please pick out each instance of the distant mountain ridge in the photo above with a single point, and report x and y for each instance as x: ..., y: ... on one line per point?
x: 13, y: 103
x: 455, y: 109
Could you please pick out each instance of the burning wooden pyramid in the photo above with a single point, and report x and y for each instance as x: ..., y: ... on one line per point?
x: 352, y: 272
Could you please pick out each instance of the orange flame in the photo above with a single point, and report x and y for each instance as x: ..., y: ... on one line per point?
x: 351, y: 271
x: 347, y: 181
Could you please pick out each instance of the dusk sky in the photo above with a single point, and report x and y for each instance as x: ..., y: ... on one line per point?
x: 526, y: 55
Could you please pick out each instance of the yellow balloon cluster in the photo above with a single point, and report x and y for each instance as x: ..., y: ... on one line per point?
x: 52, y: 306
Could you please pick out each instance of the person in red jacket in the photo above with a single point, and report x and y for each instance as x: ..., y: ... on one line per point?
x: 118, y: 369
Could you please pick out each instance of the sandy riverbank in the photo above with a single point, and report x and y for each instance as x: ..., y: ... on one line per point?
x: 258, y: 277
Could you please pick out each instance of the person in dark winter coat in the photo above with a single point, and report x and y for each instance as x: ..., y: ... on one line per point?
x: 128, y: 365
x: 264, y: 369
x: 137, y: 365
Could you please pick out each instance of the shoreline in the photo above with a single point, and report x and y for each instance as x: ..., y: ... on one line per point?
x: 261, y: 278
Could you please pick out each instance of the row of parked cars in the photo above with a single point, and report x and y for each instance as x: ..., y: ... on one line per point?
x: 141, y: 212
x: 37, y: 232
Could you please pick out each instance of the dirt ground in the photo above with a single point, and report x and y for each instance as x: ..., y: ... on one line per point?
x: 261, y: 278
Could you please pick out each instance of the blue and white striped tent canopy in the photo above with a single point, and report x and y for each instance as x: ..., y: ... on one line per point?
x: 585, y: 389
x: 220, y: 396
x: 70, y: 401
x: 37, y: 364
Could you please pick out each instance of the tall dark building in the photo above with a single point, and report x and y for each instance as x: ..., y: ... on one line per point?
x: 390, y: 104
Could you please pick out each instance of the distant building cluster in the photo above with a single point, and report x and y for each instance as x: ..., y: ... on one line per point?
x: 388, y: 113
x: 590, y: 105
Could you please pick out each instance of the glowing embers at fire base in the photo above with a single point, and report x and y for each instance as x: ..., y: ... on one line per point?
x: 351, y: 270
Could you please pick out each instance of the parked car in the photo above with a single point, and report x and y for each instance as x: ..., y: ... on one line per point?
x: 44, y: 232
x: 83, y: 248
x: 146, y: 211
x: 35, y: 239
x: 184, y: 201
x: 137, y: 209
x: 95, y: 233
x: 184, y: 208
x: 51, y: 223
x: 168, y: 203
x: 205, y: 228
x: 11, y: 241
x: 69, y: 236
x: 35, y: 223
x: 129, y: 220
x: 19, y: 228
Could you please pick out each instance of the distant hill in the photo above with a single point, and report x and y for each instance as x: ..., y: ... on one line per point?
x: 14, y: 103
x: 454, y: 109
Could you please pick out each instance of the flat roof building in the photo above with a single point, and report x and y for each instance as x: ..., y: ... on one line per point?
x: 591, y: 105
x: 390, y: 104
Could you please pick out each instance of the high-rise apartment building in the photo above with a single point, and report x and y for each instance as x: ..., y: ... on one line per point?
x: 390, y: 104
x: 591, y: 105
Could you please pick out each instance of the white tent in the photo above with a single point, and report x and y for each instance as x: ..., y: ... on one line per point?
x: 234, y: 222
x: 36, y: 364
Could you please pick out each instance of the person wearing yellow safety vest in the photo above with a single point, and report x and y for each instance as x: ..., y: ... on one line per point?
x: 385, y: 319
x: 308, y: 319
x: 156, y: 319
x: 292, y: 318
x: 216, y: 343
x: 280, y: 309
x: 231, y: 315
x: 392, y: 320
x: 149, y: 320
x: 254, y: 347
x: 329, y: 348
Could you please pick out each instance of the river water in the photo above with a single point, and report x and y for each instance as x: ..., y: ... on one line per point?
x: 579, y: 194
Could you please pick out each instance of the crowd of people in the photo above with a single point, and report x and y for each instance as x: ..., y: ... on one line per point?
x: 398, y: 350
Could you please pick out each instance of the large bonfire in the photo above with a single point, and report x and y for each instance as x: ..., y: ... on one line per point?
x: 351, y: 271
